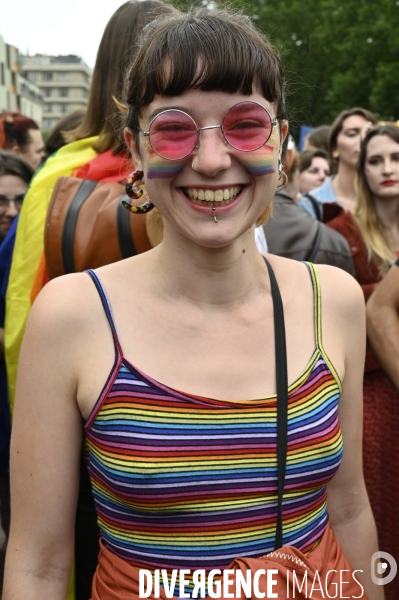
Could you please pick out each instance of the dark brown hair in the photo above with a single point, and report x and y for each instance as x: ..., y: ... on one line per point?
x: 306, y: 157
x: 117, y: 46
x: 12, y: 164
x: 319, y: 136
x: 336, y: 127
x: 14, y: 130
x: 57, y: 138
x: 210, y: 50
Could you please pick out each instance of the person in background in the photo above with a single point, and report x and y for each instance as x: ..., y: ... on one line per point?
x: 57, y: 136
x: 377, y: 216
x: 94, y: 151
x: 292, y: 163
x: 15, y: 175
x: 293, y: 233
x: 314, y: 169
x: 344, y: 145
x: 22, y: 135
x: 317, y: 139
x: 382, y: 312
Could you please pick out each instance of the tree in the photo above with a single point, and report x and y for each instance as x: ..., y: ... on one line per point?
x: 337, y: 54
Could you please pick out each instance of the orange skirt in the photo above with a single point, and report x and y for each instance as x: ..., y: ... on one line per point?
x: 326, y: 567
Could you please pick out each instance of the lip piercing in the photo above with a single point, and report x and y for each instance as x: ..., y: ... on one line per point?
x: 214, y: 216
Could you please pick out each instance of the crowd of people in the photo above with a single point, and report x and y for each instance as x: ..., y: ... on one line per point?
x: 162, y: 411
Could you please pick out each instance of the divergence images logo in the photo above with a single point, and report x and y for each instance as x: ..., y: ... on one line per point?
x: 385, y: 560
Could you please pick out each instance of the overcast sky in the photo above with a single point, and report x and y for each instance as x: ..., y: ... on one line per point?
x: 63, y: 27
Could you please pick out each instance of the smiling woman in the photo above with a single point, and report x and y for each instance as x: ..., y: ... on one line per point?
x: 215, y: 410
x: 15, y: 175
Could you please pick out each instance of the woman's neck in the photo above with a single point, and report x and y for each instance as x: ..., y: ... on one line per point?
x: 388, y: 213
x: 218, y: 277
x: 344, y: 187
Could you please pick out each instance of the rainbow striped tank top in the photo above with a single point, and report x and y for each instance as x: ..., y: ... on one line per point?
x: 186, y: 482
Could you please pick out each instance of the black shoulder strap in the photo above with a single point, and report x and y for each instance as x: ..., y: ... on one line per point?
x: 125, y: 238
x: 68, y: 231
x: 282, y: 398
x: 315, y: 204
x: 313, y: 252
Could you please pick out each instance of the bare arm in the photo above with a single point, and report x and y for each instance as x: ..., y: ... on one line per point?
x: 348, y: 505
x: 45, y: 450
x: 383, y: 323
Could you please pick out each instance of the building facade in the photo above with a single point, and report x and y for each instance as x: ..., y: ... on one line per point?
x: 64, y: 83
x: 16, y: 93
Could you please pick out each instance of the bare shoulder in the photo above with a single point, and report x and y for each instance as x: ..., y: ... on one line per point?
x: 342, y: 307
x: 336, y: 284
x: 65, y: 303
x: 343, y: 320
x: 340, y: 291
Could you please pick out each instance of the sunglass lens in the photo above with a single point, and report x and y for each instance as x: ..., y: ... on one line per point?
x: 173, y: 134
x: 247, y: 126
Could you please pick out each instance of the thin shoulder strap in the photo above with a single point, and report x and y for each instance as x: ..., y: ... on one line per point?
x: 282, y: 398
x: 107, y: 309
x: 317, y: 319
x: 316, y: 304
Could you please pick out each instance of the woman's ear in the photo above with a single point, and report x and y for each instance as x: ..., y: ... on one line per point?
x: 284, y: 133
x: 335, y: 153
x: 132, y: 146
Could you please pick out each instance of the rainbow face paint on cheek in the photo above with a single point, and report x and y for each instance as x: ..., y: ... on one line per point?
x: 159, y: 168
x: 259, y: 162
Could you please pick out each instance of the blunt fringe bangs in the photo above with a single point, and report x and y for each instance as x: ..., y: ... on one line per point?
x: 216, y: 50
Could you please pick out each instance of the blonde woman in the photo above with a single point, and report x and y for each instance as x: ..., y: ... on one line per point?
x: 377, y: 214
x: 377, y: 210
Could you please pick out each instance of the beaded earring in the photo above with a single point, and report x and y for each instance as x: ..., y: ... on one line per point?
x: 135, y: 194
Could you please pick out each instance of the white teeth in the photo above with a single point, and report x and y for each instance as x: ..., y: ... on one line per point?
x: 209, y: 195
x: 221, y: 196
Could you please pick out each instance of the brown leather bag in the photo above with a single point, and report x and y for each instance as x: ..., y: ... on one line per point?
x: 87, y: 227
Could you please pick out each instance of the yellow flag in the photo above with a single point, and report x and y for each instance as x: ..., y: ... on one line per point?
x: 29, y: 245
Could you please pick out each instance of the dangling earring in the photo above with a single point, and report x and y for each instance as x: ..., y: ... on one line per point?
x: 135, y: 194
x: 283, y: 175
